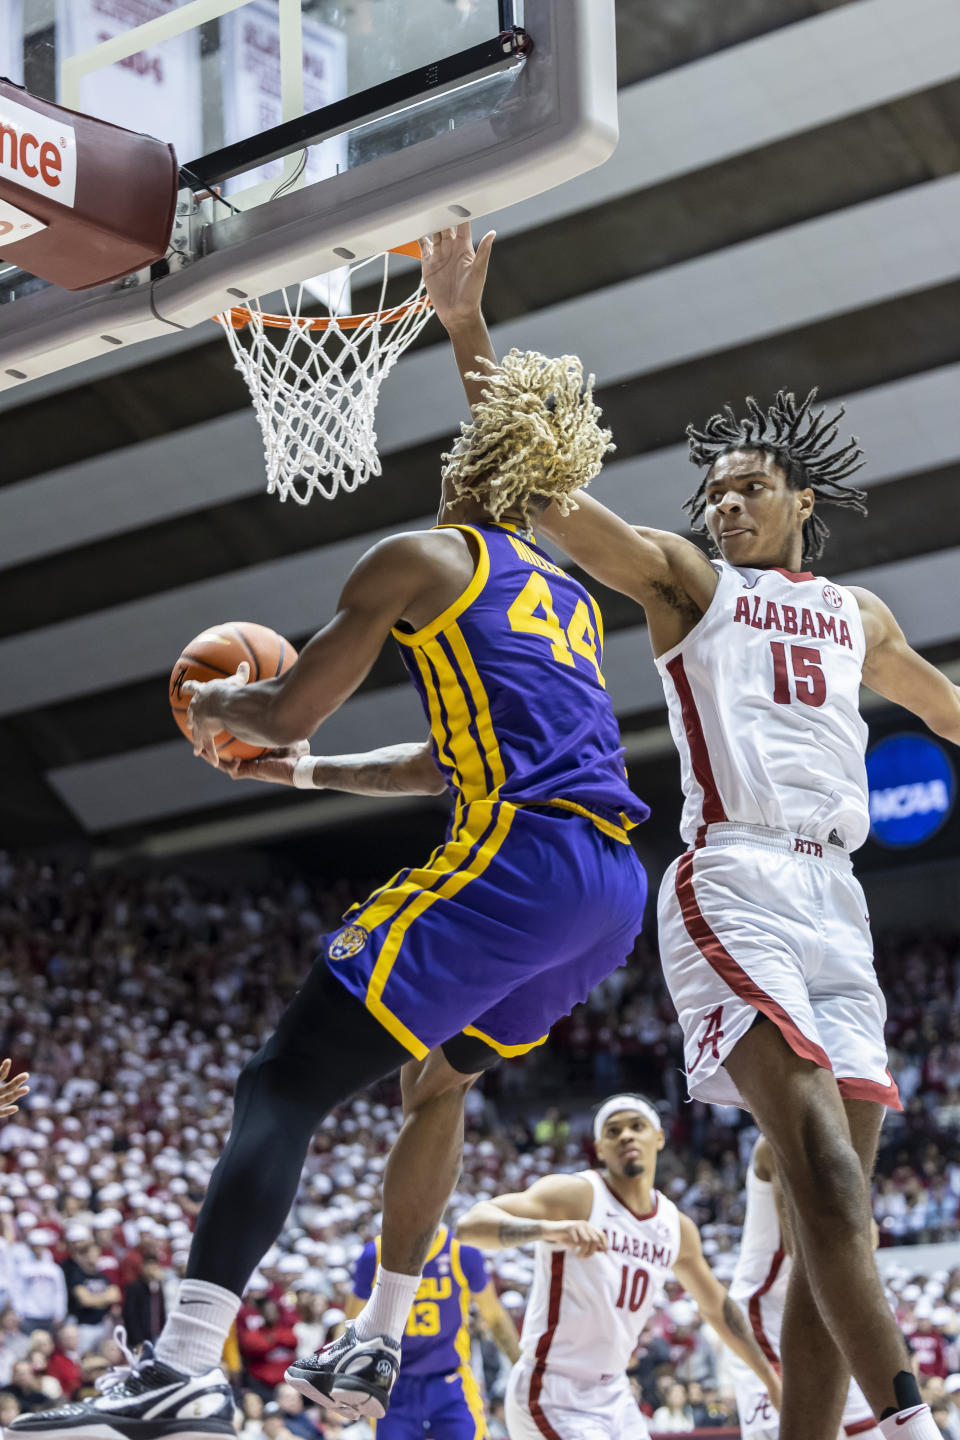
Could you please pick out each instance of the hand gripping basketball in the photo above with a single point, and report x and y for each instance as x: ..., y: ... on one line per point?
x: 203, y: 711
x: 228, y: 654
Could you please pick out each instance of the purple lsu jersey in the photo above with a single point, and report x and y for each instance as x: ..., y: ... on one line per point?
x: 510, y: 678
x: 436, y: 1340
x: 536, y: 893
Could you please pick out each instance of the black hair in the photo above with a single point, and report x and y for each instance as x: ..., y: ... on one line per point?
x: 800, y: 441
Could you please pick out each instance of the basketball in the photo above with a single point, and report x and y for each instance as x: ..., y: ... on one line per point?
x: 217, y: 653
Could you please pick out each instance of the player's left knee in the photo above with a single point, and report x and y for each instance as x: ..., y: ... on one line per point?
x: 424, y: 1080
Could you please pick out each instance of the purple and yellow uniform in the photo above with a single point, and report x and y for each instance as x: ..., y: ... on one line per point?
x: 536, y: 893
x: 436, y: 1394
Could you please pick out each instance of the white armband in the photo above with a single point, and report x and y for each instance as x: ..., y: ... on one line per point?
x: 303, y: 772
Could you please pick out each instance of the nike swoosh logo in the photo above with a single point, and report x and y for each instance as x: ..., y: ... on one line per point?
x: 109, y: 1403
x: 909, y: 1415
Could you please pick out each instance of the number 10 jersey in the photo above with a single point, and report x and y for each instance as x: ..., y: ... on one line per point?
x: 763, y: 698
x: 585, y: 1316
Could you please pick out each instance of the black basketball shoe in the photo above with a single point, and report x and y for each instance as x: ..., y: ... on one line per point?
x: 350, y: 1375
x: 145, y: 1399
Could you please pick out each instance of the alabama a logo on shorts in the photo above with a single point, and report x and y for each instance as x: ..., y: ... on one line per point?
x: 349, y: 942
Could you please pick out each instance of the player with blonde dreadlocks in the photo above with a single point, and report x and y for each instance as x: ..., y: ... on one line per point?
x: 763, y: 932
x: 535, y: 437
x: 533, y: 898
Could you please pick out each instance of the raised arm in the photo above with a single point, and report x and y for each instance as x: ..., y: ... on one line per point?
x: 666, y: 574
x: 454, y: 274
x: 554, y: 1209
x: 716, y: 1307
x: 894, y: 670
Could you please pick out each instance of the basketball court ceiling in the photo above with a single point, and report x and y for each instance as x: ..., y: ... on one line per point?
x: 783, y: 209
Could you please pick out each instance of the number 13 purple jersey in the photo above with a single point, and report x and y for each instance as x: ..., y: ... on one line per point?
x: 510, y: 677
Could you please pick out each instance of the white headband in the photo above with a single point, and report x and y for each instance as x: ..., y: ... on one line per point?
x: 624, y: 1102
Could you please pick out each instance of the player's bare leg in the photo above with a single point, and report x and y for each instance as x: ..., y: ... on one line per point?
x: 798, y: 1108
x: 356, y: 1372
x: 424, y: 1164
x: 816, y: 1377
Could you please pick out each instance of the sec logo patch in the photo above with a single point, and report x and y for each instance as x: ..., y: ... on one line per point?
x: 349, y: 942
x: 832, y: 597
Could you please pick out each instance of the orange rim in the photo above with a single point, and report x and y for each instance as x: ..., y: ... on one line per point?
x: 241, y: 315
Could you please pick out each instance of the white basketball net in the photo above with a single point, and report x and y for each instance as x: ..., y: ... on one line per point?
x: 315, y: 390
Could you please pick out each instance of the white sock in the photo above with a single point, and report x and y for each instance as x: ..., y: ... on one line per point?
x: 197, y: 1327
x: 917, y: 1423
x: 385, y: 1313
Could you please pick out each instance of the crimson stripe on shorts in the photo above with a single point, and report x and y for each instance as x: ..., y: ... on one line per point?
x: 543, y: 1348
x: 889, y: 1095
x: 756, y: 1318
x: 713, y: 810
x: 720, y: 960
x: 859, y: 1427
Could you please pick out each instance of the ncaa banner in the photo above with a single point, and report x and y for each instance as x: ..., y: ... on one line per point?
x: 156, y: 91
x: 11, y: 41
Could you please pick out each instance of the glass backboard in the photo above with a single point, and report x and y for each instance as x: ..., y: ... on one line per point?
x: 324, y: 132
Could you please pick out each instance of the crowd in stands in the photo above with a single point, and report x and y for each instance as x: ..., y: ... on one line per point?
x: 134, y: 1000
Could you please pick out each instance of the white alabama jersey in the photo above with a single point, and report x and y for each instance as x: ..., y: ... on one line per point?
x: 585, y: 1316
x: 763, y: 697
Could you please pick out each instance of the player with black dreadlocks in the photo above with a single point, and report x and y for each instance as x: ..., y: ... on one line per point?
x: 763, y: 930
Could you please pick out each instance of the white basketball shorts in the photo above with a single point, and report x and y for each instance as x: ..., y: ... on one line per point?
x: 541, y: 1403
x: 759, y: 1420
x: 761, y: 920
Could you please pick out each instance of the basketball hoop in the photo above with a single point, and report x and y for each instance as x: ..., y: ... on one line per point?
x: 315, y: 383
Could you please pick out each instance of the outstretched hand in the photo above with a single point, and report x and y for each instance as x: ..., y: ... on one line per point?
x: 12, y: 1089
x: 455, y: 273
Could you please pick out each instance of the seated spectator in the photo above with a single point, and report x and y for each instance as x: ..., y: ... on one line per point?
x: 716, y: 1410
x: 38, y: 1290
x: 9, y: 1409
x: 299, y: 1420
x: 92, y: 1366
x: 251, y: 1415
x: 267, y: 1345
x: 675, y: 1416
x: 144, y: 1308
x: 13, y: 1344
x: 91, y: 1293
x: 274, y: 1423
x: 41, y: 1343
x: 64, y: 1363
x: 26, y: 1389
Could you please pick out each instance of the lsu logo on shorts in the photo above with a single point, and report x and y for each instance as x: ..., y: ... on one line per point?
x: 349, y: 942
